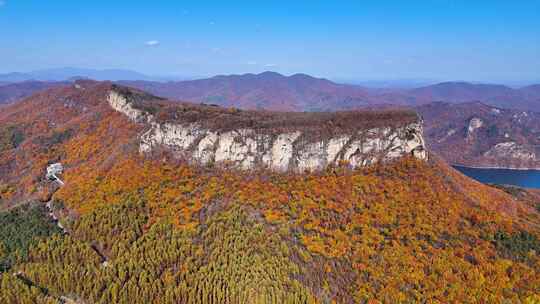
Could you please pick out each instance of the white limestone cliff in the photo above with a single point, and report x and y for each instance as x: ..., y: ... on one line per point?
x: 121, y: 104
x: 251, y: 148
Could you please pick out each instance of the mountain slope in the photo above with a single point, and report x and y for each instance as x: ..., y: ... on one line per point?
x: 300, y: 92
x: 268, y: 90
x: 166, y: 230
x: 15, y: 91
x: 457, y: 92
x: 478, y: 135
x: 63, y: 122
x: 526, y: 98
x: 532, y: 92
x: 460, y: 91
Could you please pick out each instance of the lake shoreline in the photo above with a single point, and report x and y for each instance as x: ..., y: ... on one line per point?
x: 503, y: 176
x: 496, y: 168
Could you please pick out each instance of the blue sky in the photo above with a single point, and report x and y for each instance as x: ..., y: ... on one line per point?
x: 358, y: 40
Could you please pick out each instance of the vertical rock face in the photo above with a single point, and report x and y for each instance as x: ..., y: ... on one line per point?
x: 53, y: 170
x: 474, y: 123
x: 121, y: 104
x: 249, y: 148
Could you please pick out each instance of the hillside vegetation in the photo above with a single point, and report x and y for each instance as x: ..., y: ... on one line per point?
x: 393, y: 233
x: 159, y: 230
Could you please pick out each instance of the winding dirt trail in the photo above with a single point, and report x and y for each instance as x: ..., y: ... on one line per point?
x: 53, y: 217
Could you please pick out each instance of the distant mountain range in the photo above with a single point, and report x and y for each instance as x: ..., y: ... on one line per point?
x: 68, y: 73
x: 268, y: 90
x: 273, y: 91
x: 300, y: 92
x: 526, y: 98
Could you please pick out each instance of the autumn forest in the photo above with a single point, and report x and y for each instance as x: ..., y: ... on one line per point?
x: 133, y: 228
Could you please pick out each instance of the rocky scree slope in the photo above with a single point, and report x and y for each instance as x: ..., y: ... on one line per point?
x: 279, y: 141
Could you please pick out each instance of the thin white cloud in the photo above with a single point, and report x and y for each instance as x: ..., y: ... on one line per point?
x: 152, y: 43
x: 270, y: 65
x: 252, y: 62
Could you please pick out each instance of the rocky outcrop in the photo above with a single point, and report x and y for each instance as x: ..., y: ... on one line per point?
x: 121, y: 104
x: 511, y: 150
x: 474, y: 123
x: 249, y: 148
x: 53, y: 171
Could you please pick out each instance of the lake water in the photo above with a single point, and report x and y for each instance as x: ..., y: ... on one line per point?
x: 522, y: 178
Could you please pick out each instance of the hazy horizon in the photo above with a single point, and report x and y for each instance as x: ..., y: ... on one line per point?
x: 367, y: 82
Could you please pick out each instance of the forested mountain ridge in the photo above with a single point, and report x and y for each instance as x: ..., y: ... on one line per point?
x: 300, y: 92
x: 153, y: 228
x: 69, y: 123
x: 268, y: 90
x: 283, y: 141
